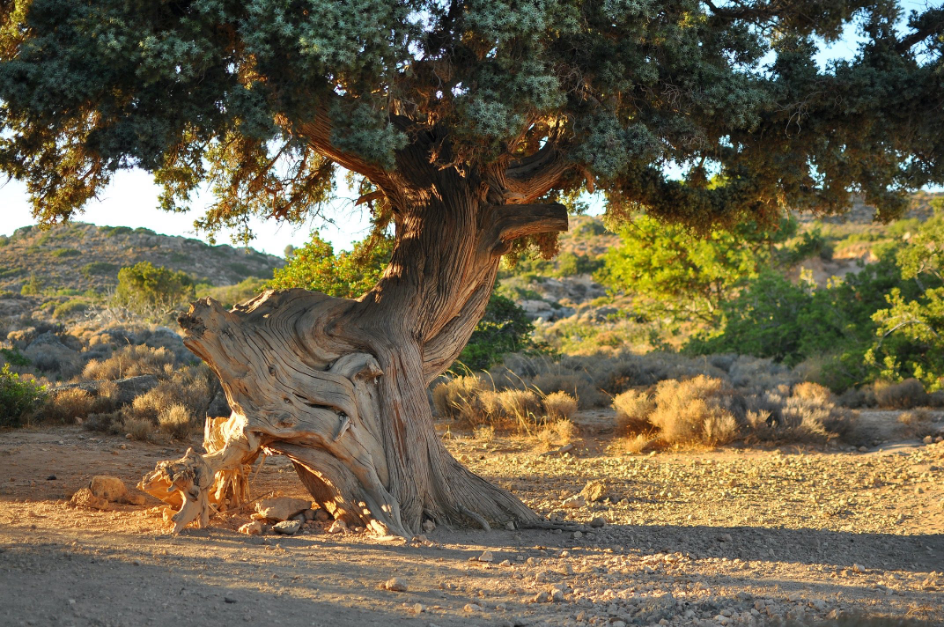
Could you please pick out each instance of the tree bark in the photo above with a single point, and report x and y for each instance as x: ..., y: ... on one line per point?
x: 339, y: 386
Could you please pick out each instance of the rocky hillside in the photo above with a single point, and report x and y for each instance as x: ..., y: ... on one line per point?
x: 78, y: 256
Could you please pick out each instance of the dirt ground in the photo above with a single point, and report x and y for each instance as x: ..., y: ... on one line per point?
x: 727, y: 537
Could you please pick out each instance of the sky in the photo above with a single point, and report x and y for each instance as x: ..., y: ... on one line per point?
x: 132, y: 198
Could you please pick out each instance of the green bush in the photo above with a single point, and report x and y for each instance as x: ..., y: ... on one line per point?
x: 32, y: 287
x: 316, y: 267
x: 112, y: 231
x: 98, y: 268
x: 69, y: 308
x: 152, y: 290
x: 15, y: 357
x: 66, y: 252
x: 17, y: 398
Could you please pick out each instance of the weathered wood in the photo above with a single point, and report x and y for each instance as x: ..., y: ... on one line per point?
x: 339, y: 386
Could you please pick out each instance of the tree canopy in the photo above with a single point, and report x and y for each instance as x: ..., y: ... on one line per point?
x: 264, y: 100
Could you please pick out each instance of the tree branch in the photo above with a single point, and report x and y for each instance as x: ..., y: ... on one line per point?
x: 514, y: 221
x: 534, y: 176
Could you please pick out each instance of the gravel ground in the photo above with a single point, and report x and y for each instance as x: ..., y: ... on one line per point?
x: 729, y: 537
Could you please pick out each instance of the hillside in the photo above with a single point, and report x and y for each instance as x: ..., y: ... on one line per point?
x: 80, y: 257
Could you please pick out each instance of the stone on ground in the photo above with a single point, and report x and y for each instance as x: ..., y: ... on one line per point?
x: 281, y: 507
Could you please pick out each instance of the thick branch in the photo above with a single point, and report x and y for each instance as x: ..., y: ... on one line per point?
x: 318, y: 133
x: 534, y: 176
x: 515, y: 221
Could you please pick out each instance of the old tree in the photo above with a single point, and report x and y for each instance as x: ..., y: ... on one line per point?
x: 464, y: 124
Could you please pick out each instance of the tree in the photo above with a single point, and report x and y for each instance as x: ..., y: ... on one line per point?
x: 683, y: 274
x: 462, y: 123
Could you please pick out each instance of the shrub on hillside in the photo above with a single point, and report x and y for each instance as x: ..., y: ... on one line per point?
x: 633, y: 409
x: 68, y: 406
x: 152, y: 291
x: 559, y: 406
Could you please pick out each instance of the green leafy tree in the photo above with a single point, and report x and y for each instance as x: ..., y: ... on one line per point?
x: 909, y: 332
x: 464, y: 124
x: 685, y: 274
x: 316, y: 267
x: 151, y: 290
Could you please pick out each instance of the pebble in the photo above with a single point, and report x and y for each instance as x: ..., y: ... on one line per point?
x: 486, y: 556
x: 472, y: 607
x: 428, y: 525
x: 254, y: 528
x: 338, y: 526
x: 598, y: 522
x: 287, y: 527
x: 395, y: 584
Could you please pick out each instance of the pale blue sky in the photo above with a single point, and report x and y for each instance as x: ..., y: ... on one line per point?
x: 131, y: 198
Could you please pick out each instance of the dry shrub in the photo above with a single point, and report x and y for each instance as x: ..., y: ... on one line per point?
x: 69, y: 405
x: 812, y: 392
x: 455, y: 398
x: 633, y: 411
x: 635, y: 444
x: 559, y: 406
x: 919, y: 423
x: 810, y: 419
x: 578, y: 385
x: 130, y: 361
x: 556, y: 434
x: 905, y: 395
x: 484, y: 433
x: 140, y: 429
x: 698, y: 410
x: 521, y: 407
x: 189, y: 387
x: 176, y: 421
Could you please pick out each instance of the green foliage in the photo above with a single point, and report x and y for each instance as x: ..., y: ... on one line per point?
x: 68, y: 308
x: 345, y: 275
x: 66, y: 252
x: 32, y: 287
x: 14, y: 357
x: 909, y: 330
x: 263, y: 99
x: 503, y: 329
x: 113, y: 231
x: 98, y: 268
x: 17, y: 398
x: 686, y: 274
x: 152, y: 290
x: 883, y: 323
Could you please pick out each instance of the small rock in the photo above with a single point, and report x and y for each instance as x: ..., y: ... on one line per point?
x: 510, y: 526
x: 556, y: 595
x: 254, y: 528
x: 618, y: 623
x: 472, y: 607
x: 598, y: 522
x: 927, y: 439
x: 395, y: 584
x: 575, y: 502
x: 287, y: 527
x: 338, y: 526
x: 486, y: 556
x: 505, y: 563
x: 417, y: 608
x: 281, y: 507
x: 542, y: 597
x: 725, y: 537
x: 858, y: 569
x: 322, y: 515
x: 594, y: 491
x: 51, y: 478
x: 229, y: 600
x: 428, y: 525
x: 308, y: 515
x: 577, y: 535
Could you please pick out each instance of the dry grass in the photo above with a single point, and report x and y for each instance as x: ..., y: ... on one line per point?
x: 189, y: 387
x: 140, y: 429
x: 633, y: 409
x: 698, y: 410
x: 905, y: 395
x: 130, y: 361
x: 918, y: 423
x: 556, y: 434
x: 70, y: 406
x: 559, y: 406
x: 176, y: 421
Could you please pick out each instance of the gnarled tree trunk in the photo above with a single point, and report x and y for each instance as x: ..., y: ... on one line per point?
x: 339, y: 386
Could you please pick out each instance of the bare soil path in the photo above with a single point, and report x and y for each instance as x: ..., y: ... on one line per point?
x: 732, y: 537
